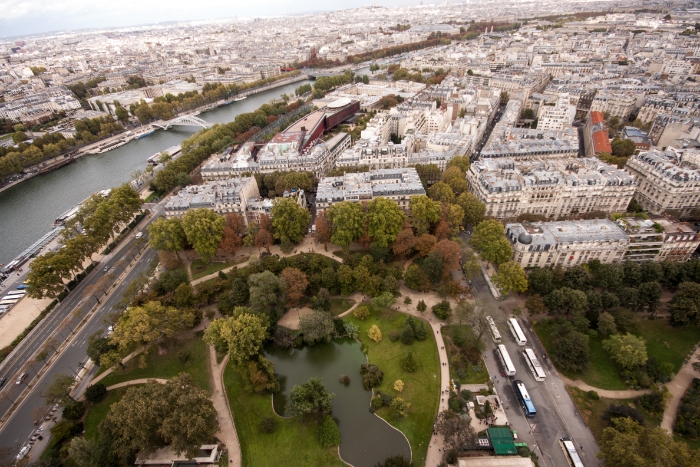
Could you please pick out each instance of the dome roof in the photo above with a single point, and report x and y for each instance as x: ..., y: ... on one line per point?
x: 524, y: 238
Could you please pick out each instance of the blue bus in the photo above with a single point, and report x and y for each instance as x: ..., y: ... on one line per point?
x: 524, y: 398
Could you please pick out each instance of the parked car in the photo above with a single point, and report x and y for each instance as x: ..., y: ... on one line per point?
x: 3, y: 380
x: 138, y: 235
x: 23, y: 452
x: 21, y: 378
x: 23, y: 286
x: 106, y: 268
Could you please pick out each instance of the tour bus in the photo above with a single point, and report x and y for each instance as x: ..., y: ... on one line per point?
x: 570, y: 452
x: 9, y: 301
x: 534, y: 364
x: 18, y: 293
x: 524, y: 398
x: 506, y: 362
x: 516, y: 331
x: 495, y: 335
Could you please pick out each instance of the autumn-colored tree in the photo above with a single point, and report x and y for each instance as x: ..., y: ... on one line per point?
x: 405, y: 241
x: 451, y: 253
x: 323, y: 228
x: 263, y: 239
x: 442, y: 230
x: 296, y: 284
x: 233, y: 233
x: 265, y: 222
x: 425, y: 244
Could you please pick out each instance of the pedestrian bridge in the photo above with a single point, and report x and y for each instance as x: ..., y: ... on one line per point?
x: 185, y: 120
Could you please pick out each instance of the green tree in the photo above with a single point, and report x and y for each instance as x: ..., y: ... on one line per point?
x: 455, y: 178
x: 267, y: 294
x: 167, y: 234
x: 345, y: 280
x: 399, y: 407
x: 240, y: 336
x: 457, y: 431
x: 649, y: 295
x: 316, y: 327
x: 289, y: 220
x: 571, y: 351
x: 416, y: 279
x: 204, y: 229
x: 490, y: 242
x: 627, y: 350
x: 310, y: 399
x: 135, y: 429
x: 122, y: 114
x: 441, y: 192
x: 510, y: 278
x: 395, y: 461
x: 424, y: 212
x: 327, y: 433
x: 606, y: 324
x: 386, y: 220
x: 58, y: 391
x: 348, y: 220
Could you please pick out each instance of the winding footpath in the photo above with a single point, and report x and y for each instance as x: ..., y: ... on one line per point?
x: 227, y: 428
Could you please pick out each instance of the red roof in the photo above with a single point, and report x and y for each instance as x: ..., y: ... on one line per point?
x: 601, y: 141
x: 596, y: 117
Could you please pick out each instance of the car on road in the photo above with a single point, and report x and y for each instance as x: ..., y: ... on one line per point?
x: 21, y: 378
x: 23, y: 286
x: 3, y: 380
x: 23, y: 452
x: 106, y: 268
x: 138, y: 235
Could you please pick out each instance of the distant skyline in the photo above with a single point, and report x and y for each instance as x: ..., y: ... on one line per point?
x: 26, y: 17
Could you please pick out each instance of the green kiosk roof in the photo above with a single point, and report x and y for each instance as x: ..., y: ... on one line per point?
x: 502, y: 441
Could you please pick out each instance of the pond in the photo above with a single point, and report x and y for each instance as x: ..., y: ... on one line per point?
x: 366, y: 439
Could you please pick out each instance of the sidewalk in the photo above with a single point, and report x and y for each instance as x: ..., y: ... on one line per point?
x: 227, y: 428
x: 677, y: 387
x: 622, y: 394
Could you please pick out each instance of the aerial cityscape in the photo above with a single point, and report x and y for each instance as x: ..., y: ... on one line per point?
x: 379, y: 235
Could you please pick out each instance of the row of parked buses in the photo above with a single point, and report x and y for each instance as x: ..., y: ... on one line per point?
x: 521, y: 393
x: 10, y: 299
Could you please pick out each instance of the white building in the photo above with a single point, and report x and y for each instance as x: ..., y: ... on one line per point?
x: 616, y: 104
x: 558, y: 116
x: 221, y: 196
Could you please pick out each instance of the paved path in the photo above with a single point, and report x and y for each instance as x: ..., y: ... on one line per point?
x: 137, y: 381
x: 623, y: 394
x: 677, y: 388
x: 227, y: 429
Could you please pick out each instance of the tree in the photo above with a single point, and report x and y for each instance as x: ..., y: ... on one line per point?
x: 398, y: 385
x: 404, y: 243
x: 489, y: 241
x: 267, y: 294
x: 327, y: 433
x: 421, y: 306
x: 289, y: 220
x: 316, y: 327
x: 95, y: 392
x: 451, y: 254
x: 622, y: 147
x: 204, y: 229
x: 345, y: 280
x: 322, y: 300
x: 395, y: 461
x: 240, y: 336
x: 375, y: 333
x: 460, y: 162
x: 399, y: 407
x: 385, y: 219
x: 263, y: 239
x: 310, y: 399
x: 97, y: 346
x: 323, y: 228
x: 510, y: 278
x: 442, y: 193
x: 455, y: 178
x: 434, y: 266
x: 348, y: 221
x: 58, y: 391
x: 372, y: 376
x: 456, y: 431
x: 122, y: 114
x: 234, y: 230
x: 425, y: 244
x: 474, y: 210
x: 416, y: 279
x: 409, y: 364
x: 442, y: 310
x: 133, y: 429
x: 685, y: 304
x: 296, y: 282
x: 424, y: 212
x: 649, y: 296
x: 541, y: 281
x: 606, y: 324
x: 570, y: 351
x: 628, y: 350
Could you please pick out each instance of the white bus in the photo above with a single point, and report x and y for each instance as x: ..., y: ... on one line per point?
x: 517, y: 332
x: 534, y: 364
x: 508, y: 367
x: 569, y: 448
x: 17, y: 292
x: 8, y: 301
x: 495, y: 335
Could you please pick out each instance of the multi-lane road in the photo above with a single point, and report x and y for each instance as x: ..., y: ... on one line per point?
x: 557, y: 416
x: 18, y: 427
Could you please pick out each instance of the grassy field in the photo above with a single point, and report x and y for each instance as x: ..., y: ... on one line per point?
x: 469, y: 373
x: 422, y: 388
x: 339, y: 305
x: 97, y: 412
x: 666, y: 343
x: 166, y: 363
x: 200, y: 269
x: 293, y: 444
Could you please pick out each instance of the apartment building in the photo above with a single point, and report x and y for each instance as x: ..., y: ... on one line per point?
x: 666, y: 180
x: 558, y: 116
x: 568, y: 243
x: 525, y: 143
x: 396, y: 184
x: 550, y: 188
x: 221, y: 196
x: 595, y: 135
x: 614, y: 103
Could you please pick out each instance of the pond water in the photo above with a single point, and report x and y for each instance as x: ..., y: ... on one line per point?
x: 366, y: 439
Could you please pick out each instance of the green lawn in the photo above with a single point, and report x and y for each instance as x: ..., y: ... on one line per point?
x: 97, y: 412
x: 166, y: 363
x: 666, y: 343
x: 200, y: 269
x: 461, y: 369
x: 293, y: 444
x: 421, y: 389
x: 340, y: 305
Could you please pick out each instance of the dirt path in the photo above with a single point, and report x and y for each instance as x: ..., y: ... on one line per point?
x: 677, y: 388
x: 137, y: 381
x: 227, y: 429
x: 622, y: 394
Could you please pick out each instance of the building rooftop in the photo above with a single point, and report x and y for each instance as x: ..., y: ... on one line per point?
x: 566, y: 232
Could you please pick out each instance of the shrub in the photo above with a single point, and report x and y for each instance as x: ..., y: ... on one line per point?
x: 328, y: 433
x: 623, y: 411
x: 375, y: 333
x: 398, y: 385
x: 407, y: 301
x: 394, y: 335
x: 420, y: 332
x: 399, y: 407
x: 688, y: 419
x: 372, y: 376
x: 593, y: 395
x: 409, y: 363
x: 376, y: 402
x: 652, y: 403
x: 421, y: 306
x: 466, y: 394
x: 74, y: 410
x: 268, y: 425
x: 183, y: 356
x: 457, y: 404
x: 407, y: 336
x: 386, y: 399
x: 95, y: 392
x: 361, y: 312
x: 344, y: 379
x: 442, y: 310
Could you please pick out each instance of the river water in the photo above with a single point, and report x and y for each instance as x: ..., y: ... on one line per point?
x: 365, y: 438
x: 27, y: 210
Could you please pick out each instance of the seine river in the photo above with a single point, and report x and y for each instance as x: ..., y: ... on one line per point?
x: 27, y: 210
